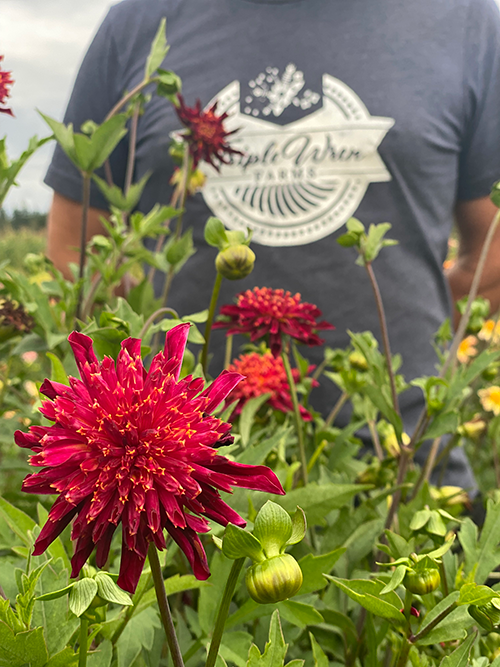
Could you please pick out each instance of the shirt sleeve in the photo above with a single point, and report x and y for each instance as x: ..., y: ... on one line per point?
x: 479, y: 164
x: 96, y: 90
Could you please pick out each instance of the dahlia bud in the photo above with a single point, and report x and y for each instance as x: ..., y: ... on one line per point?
x: 274, y: 579
x: 358, y: 361
x: 422, y: 581
x: 486, y: 615
x: 235, y: 262
x: 274, y: 575
x: 472, y: 429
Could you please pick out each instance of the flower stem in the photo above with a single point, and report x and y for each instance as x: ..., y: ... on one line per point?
x: 296, y: 412
x: 165, y: 614
x: 227, y: 596
x: 385, y: 334
x: 82, y: 652
x: 83, y: 237
x: 229, y: 351
x: 403, y: 655
x: 336, y: 408
x: 208, y: 326
x: 433, y: 623
x: 126, y: 98
x: 152, y: 318
x: 428, y: 467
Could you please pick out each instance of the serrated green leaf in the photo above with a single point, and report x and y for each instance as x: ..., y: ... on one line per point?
x: 275, y: 649
x: 300, y: 614
x: 460, y: 656
x: 24, y: 648
x: 19, y: 522
x: 65, y: 658
x: 476, y: 594
x: 158, y: 51
x: 313, y: 570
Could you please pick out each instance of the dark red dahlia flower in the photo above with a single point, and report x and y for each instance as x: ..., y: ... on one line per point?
x: 135, y: 447
x: 265, y: 374
x: 205, y: 133
x: 275, y: 313
x: 6, y: 81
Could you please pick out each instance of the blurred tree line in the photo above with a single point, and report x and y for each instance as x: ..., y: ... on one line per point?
x: 22, y: 219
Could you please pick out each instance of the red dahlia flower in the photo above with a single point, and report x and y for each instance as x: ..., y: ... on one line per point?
x: 5, y: 82
x: 264, y: 311
x: 137, y: 447
x: 205, y: 133
x: 265, y: 374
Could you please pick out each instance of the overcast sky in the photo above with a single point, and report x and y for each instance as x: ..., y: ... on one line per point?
x: 43, y: 42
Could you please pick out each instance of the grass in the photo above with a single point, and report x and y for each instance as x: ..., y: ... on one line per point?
x: 16, y: 244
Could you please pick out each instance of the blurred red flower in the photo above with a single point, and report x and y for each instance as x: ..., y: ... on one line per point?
x: 265, y: 374
x: 205, y: 133
x: 6, y: 81
x: 265, y: 312
x: 137, y: 447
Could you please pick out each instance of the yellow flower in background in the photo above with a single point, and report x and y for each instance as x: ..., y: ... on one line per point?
x: 467, y: 349
x: 490, y: 331
x: 490, y: 399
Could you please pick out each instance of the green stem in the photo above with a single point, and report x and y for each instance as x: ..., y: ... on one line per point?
x: 403, y: 655
x: 433, y: 623
x: 296, y: 413
x: 336, y: 408
x: 163, y: 605
x: 82, y: 653
x: 428, y: 467
x: 372, y: 427
x: 407, y: 607
x: 83, y: 237
x: 227, y: 596
x: 229, y: 351
x: 210, y: 320
x: 152, y: 318
x: 126, y: 98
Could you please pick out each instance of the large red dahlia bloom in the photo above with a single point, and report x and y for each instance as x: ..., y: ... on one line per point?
x: 265, y: 374
x: 275, y: 313
x: 136, y: 447
x: 205, y: 133
x: 6, y: 81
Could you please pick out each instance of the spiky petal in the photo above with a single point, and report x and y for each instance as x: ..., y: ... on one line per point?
x: 205, y: 133
x: 135, y: 447
x: 273, y: 313
x: 6, y: 81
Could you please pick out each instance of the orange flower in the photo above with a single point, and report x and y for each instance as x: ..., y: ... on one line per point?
x: 490, y: 331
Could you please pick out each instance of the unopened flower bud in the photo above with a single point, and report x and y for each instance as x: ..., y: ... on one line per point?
x: 486, y: 615
x: 274, y: 579
x: 423, y: 581
x: 358, y: 361
x: 472, y: 429
x: 235, y: 262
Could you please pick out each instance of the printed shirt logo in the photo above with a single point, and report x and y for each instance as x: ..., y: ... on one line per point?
x: 295, y: 183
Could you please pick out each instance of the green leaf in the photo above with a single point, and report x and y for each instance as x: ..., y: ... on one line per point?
x: 158, y: 51
x: 169, y: 84
x: 247, y: 417
x: 452, y: 627
x: 117, y: 198
x: 299, y: 526
x: 238, y: 543
x: 460, y: 656
x: 368, y: 594
x: 272, y: 528
x: 54, y: 595
x: 235, y: 647
x: 320, y: 659
x: 318, y: 499
x: 313, y: 568
x: 108, y: 590
x: 256, y: 454
x: 24, y: 648
x: 299, y: 614
x: 446, y: 422
x: 175, y: 584
x: 82, y: 593
x: 19, y: 522
x: 57, y: 372
x: 63, y: 134
x: 488, y: 551
x: 476, y: 595
x: 139, y: 634
x: 275, y: 649
x: 210, y: 597
x: 215, y: 233
x: 65, y: 658
x: 397, y: 577
x: 101, y: 656
x: 181, y: 249
x: 355, y: 225
x: 420, y: 519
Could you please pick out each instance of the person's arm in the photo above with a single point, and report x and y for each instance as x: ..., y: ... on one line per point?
x: 64, y: 229
x: 473, y: 219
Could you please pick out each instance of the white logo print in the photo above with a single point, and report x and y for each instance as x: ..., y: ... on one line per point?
x: 278, y: 94
x: 295, y: 183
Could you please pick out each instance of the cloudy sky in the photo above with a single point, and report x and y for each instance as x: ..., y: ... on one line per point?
x: 43, y: 42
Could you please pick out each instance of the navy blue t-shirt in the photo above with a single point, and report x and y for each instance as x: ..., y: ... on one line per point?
x: 384, y: 109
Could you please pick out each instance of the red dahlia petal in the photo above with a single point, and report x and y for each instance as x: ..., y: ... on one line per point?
x: 190, y: 543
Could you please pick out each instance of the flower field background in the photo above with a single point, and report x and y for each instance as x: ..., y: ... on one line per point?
x: 153, y: 515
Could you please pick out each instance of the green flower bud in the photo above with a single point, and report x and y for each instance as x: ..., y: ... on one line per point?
x: 486, y: 615
x: 274, y: 580
x: 422, y: 581
x: 235, y: 262
x: 358, y: 361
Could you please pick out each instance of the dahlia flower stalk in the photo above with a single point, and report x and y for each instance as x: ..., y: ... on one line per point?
x: 136, y: 447
x: 273, y: 313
